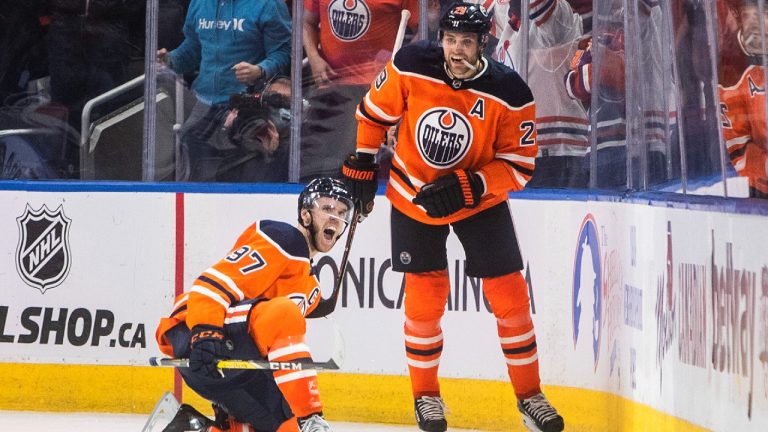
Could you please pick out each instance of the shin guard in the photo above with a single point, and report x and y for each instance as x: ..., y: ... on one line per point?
x: 510, y: 303
x: 278, y: 329
x: 425, y: 297
x: 299, y: 387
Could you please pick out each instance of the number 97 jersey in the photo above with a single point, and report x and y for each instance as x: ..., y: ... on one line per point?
x: 269, y: 259
x: 485, y: 124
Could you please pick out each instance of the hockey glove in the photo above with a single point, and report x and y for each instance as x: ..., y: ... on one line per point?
x: 208, y: 345
x: 450, y: 193
x: 360, y: 175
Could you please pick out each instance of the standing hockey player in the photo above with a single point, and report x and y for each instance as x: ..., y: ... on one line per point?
x: 742, y: 105
x: 467, y: 137
x: 253, y: 304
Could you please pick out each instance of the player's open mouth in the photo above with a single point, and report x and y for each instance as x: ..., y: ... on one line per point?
x: 457, y: 60
x: 329, y: 233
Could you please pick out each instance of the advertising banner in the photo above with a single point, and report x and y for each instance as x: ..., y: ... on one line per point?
x: 664, y: 306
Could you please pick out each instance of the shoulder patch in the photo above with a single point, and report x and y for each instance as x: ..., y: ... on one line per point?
x: 381, y: 79
x: 423, y: 58
x: 286, y: 236
x: 753, y: 87
x: 504, y: 83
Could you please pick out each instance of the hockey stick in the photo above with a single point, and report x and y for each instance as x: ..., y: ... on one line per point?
x: 334, y: 363
x: 251, y: 364
x: 405, y: 15
x: 326, y: 306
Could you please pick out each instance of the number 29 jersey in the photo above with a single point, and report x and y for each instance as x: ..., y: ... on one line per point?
x: 485, y: 124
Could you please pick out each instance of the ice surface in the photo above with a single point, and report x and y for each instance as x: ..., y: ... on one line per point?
x: 24, y: 421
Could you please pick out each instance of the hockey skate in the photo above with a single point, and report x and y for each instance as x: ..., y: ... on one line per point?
x: 188, y: 419
x: 430, y: 414
x: 165, y: 410
x: 539, y: 415
x: 314, y: 423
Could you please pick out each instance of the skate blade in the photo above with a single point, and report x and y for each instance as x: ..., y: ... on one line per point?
x: 165, y: 410
x: 530, y: 424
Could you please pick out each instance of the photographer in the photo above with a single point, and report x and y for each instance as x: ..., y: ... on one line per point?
x: 258, y: 124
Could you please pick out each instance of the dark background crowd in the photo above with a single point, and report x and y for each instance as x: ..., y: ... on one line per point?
x: 648, y: 117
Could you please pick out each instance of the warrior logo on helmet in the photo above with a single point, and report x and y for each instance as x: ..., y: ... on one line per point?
x: 466, y: 18
x: 443, y: 136
x: 349, y: 19
x: 324, y: 186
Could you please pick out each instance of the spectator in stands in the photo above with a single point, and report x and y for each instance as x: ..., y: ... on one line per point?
x: 742, y: 105
x: 232, y: 44
x: 344, y: 60
x: 23, y: 27
x: 259, y: 125
x: 88, y: 53
x: 554, y: 31
x: 654, y: 118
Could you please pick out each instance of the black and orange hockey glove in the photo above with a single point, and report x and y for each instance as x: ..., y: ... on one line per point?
x: 208, y: 346
x: 450, y: 193
x: 361, y: 177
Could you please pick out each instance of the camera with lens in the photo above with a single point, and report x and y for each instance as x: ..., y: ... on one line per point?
x: 259, y: 121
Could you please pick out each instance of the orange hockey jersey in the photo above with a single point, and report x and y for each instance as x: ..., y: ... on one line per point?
x: 357, y: 36
x: 486, y: 125
x: 269, y: 259
x: 743, y: 119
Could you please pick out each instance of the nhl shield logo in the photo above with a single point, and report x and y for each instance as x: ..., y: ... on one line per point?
x: 42, y: 255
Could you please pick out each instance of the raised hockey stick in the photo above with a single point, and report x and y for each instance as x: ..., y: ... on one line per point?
x: 334, y: 363
x: 326, y: 306
x: 405, y: 15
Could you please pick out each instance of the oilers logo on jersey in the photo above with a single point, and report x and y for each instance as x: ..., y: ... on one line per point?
x: 349, y: 19
x: 443, y: 137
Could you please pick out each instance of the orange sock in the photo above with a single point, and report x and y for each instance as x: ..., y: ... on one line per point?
x: 290, y: 425
x: 299, y: 387
x: 234, y: 426
x: 423, y: 347
x: 278, y: 329
x: 508, y: 297
x: 425, y: 297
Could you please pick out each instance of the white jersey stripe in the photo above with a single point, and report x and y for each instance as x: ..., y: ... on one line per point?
x: 524, y: 361
x: 423, y: 341
x: 227, y: 280
x: 517, y: 339
x: 423, y: 364
x: 293, y: 376
x: 291, y: 349
x: 210, y: 294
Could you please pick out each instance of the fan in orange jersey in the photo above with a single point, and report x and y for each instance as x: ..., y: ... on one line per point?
x: 742, y: 107
x: 252, y: 304
x: 467, y: 137
x: 347, y: 43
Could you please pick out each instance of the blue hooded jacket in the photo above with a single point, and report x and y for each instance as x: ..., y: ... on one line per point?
x: 218, y: 34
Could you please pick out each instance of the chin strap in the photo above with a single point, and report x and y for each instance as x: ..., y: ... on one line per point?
x: 476, y: 69
x: 312, y: 232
